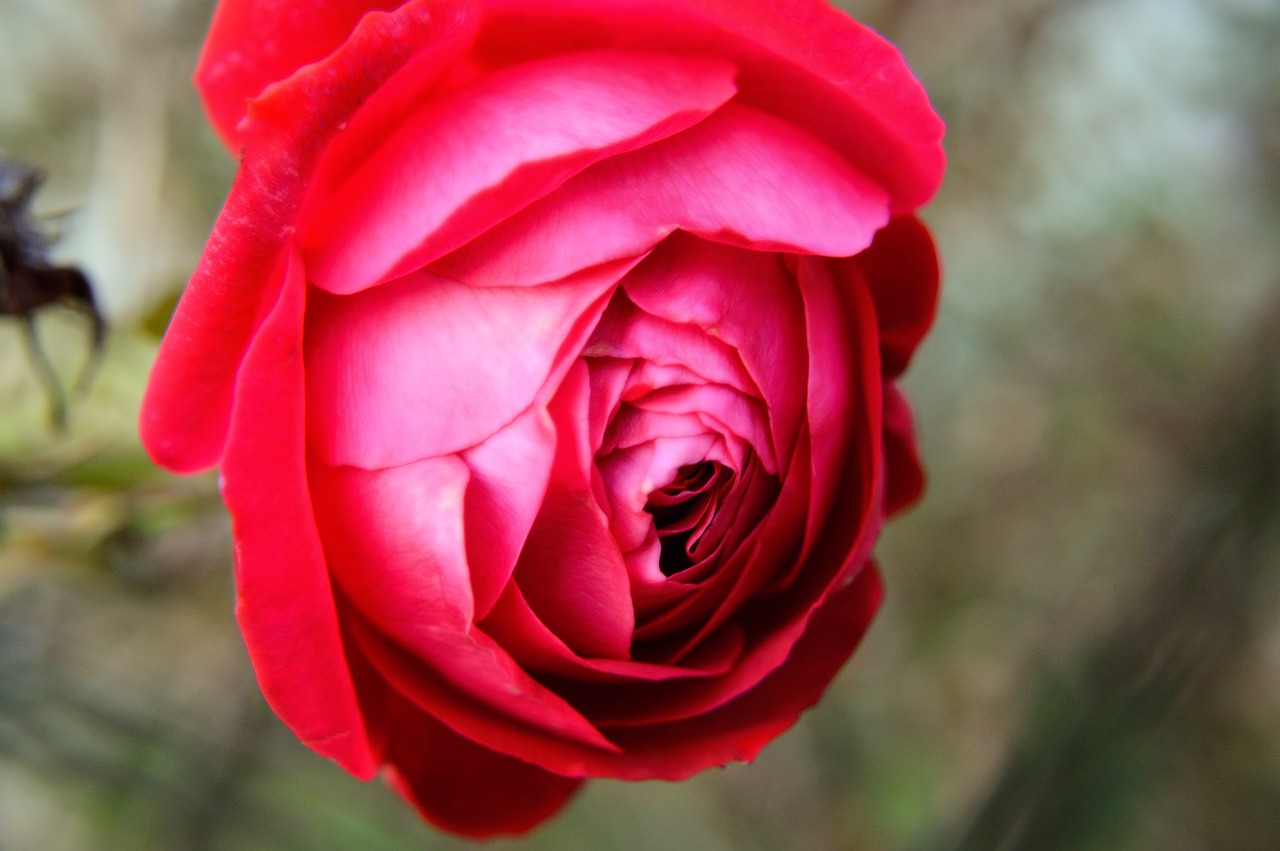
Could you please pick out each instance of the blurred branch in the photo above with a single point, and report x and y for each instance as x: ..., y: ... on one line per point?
x: 1071, y: 773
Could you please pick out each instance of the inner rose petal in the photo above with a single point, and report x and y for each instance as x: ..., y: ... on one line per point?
x: 726, y: 291
x: 393, y: 372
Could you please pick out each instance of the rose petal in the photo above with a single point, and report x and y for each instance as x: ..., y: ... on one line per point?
x: 463, y: 162
x: 395, y: 542
x: 509, y: 475
x: 474, y: 687
x: 464, y: 787
x: 393, y: 372
x: 741, y: 177
x: 515, y: 625
x: 725, y: 291
x: 627, y: 333
x: 254, y: 43
x: 738, y: 729
x: 904, y: 475
x: 901, y: 272
x: 187, y: 407
x: 285, y: 604
x: 804, y: 61
x: 571, y: 571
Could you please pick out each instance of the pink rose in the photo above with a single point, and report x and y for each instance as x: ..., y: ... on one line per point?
x: 546, y: 348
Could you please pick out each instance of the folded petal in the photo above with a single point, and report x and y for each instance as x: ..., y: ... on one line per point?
x: 726, y: 291
x: 801, y: 59
x: 904, y: 475
x: 571, y: 571
x: 395, y: 542
x: 509, y: 475
x: 739, y: 728
x: 741, y: 176
x: 254, y: 43
x: 462, y: 162
x: 285, y: 603
x: 427, y: 366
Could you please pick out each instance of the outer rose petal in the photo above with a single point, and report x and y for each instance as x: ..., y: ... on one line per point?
x: 901, y: 272
x: 466, y: 788
x: 285, y: 602
x: 904, y: 475
x: 187, y: 408
x: 254, y: 43
x: 455, y: 783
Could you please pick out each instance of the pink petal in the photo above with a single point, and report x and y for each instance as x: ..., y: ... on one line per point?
x: 628, y: 333
x: 742, y: 421
x: 426, y: 366
x: 509, y: 475
x: 457, y: 165
x: 741, y: 177
x: 801, y: 59
x: 285, y: 603
x: 571, y: 571
x: 747, y: 299
x: 187, y: 408
x: 395, y: 542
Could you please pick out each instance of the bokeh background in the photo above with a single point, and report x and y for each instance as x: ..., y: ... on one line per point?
x: 1080, y: 648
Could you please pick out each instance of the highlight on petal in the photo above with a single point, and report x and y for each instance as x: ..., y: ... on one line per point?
x: 393, y: 373
x: 395, y: 541
x: 472, y: 158
x: 741, y: 177
x: 802, y: 60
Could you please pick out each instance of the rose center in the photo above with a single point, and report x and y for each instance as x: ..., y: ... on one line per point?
x: 683, y: 510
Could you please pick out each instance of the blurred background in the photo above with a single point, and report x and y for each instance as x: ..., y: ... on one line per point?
x: 1081, y: 643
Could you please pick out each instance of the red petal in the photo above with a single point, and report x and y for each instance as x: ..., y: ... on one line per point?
x: 286, y: 607
x: 187, y: 408
x: 739, y: 729
x: 457, y: 784
x: 254, y: 43
x: 426, y: 366
x: 904, y: 476
x: 901, y: 272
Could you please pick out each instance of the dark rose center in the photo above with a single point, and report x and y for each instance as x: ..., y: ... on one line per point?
x: 683, y: 510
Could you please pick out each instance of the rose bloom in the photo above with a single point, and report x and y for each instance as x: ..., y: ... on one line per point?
x: 547, y: 351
